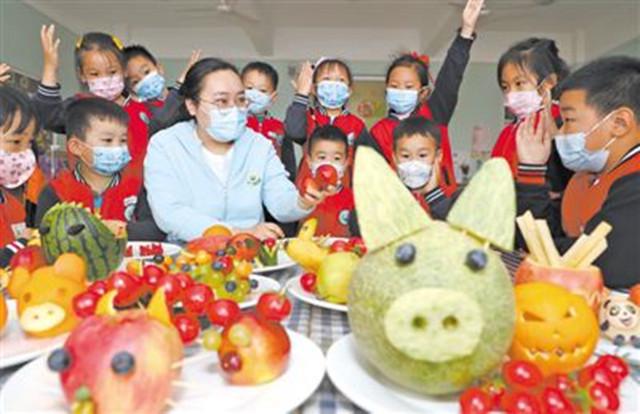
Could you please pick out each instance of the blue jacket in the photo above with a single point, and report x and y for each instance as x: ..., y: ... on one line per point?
x: 186, y: 196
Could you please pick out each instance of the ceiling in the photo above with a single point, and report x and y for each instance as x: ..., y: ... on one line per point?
x: 600, y: 24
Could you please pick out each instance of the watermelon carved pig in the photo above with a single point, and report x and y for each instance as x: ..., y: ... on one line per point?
x: 430, y: 305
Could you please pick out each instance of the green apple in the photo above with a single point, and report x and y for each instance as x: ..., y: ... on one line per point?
x: 334, y: 276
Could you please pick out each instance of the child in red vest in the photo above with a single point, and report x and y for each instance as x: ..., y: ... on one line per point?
x: 21, y: 181
x: 97, y: 137
x: 408, y: 93
x: 528, y: 74
x: 600, y: 141
x: 330, y: 82
x: 328, y: 144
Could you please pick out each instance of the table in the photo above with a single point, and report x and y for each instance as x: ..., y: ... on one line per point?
x: 324, y: 327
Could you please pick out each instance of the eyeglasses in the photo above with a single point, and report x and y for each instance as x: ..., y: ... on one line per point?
x: 224, y: 102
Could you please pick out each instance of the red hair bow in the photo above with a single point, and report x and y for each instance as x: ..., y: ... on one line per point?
x: 423, y: 58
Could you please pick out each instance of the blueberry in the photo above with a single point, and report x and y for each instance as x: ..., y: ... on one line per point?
x: 122, y: 362
x: 158, y: 258
x: 186, y: 268
x: 220, y: 253
x: 230, y: 286
x: 476, y: 260
x: 217, y: 266
x: 59, y: 360
x: 619, y: 340
x: 405, y: 254
x: 254, y: 284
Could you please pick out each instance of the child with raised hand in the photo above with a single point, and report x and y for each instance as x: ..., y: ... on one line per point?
x: 97, y: 137
x: 329, y: 81
x: 528, y: 74
x: 409, y: 93
x: 21, y: 180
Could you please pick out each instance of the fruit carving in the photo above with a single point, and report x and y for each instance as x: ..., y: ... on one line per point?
x: 620, y: 321
x: 430, y: 306
x: 304, y: 250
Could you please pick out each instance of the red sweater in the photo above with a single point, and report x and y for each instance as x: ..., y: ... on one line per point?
x: 333, y: 214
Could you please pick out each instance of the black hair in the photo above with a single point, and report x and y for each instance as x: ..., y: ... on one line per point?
x: 98, y: 41
x: 609, y: 83
x: 13, y: 103
x: 133, y: 51
x: 417, y: 125
x: 328, y: 133
x: 81, y: 112
x: 328, y: 63
x: 265, y: 69
x: 538, y: 56
x: 408, y: 60
x: 193, y: 81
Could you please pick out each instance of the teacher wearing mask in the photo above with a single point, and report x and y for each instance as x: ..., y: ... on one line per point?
x: 212, y: 169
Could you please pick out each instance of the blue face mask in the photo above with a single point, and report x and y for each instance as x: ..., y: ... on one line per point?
x: 150, y: 87
x: 259, y: 101
x: 109, y: 160
x: 402, y: 101
x: 227, y: 125
x: 332, y: 94
x: 575, y: 155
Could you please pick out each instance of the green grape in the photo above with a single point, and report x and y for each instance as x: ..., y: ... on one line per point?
x: 239, y: 335
x: 244, y: 286
x: 211, y: 339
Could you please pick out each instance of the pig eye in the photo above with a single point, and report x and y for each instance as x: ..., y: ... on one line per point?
x: 405, y: 254
x: 122, y: 363
x: 476, y: 260
x: 26, y: 298
x: 59, y: 360
x: 75, y: 229
x: 44, y: 229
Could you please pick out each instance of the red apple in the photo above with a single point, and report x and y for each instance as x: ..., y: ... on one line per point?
x: 30, y: 257
x: 123, y: 362
x: 254, y: 350
x: 326, y: 175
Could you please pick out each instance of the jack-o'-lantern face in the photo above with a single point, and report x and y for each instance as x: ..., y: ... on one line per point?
x: 555, y: 329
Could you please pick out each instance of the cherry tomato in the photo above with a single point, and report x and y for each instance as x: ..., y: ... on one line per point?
x: 308, y: 282
x: 522, y: 374
x: 273, y: 306
x: 521, y: 402
x: 223, y: 264
x: 150, y: 280
x: 84, y: 304
x: 196, y: 297
x: 339, y: 246
x: 184, y: 279
x: 128, y: 287
x: 562, y: 382
x: 222, y: 311
x: 615, y: 365
x: 475, y: 401
x: 172, y: 288
x: 603, y: 398
x: 496, y: 392
x: 187, y: 326
x: 554, y: 401
x: 231, y: 362
x: 356, y: 245
x: 99, y: 287
x: 594, y: 374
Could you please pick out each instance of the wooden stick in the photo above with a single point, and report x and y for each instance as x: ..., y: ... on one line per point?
x: 569, y: 258
x: 547, y: 243
x: 593, y: 254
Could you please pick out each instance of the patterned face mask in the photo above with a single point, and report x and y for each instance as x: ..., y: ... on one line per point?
x: 16, y: 167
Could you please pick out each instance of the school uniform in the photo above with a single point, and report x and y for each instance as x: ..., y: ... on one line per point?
x: 302, y: 120
x: 439, y: 108
x: 18, y: 207
x: 333, y: 214
x: 124, y: 200
x: 589, y: 199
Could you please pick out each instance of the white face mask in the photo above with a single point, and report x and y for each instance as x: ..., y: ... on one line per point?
x: 414, y: 174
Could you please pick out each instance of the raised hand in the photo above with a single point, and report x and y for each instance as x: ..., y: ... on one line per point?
x: 470, y: 16
x: 195, y: 56
x: 534, y: 144
x: 5, y: 72
x: 50, y: 56
x: 304, y: 84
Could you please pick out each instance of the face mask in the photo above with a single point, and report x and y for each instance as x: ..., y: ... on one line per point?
x: 227, y: 125
x: 259, y: 101
x: 574, y: 154
x: 150, y: 87
x: 109, y: 160
x: 339, y: 167
x: 402, y: 101
x: 16, y: 167
x: 332, y: 94
x: 414, y: 174
x: 107, y: 87
x: 523, y: 103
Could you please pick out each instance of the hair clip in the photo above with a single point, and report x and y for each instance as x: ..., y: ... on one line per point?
x: 422, y: 58
x: 117, y: 42
x: 79, y: 42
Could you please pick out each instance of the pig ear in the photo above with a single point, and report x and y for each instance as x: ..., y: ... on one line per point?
x: 386, y: 210
x: 105, y: 304
x: 487, y: 206
x: 158, y: 309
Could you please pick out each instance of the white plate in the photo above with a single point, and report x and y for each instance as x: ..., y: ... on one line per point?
x: 284, y: 262
x: 16, y: 347
x: 265, y: 284
x: 168, y: 249
x: 295, y: 289
x: 366, y: 387
x: 34, y: 388
x: 630, y: 353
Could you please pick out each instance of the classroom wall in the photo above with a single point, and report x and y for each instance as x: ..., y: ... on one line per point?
x: 630, y: 48
x: 20, y: 43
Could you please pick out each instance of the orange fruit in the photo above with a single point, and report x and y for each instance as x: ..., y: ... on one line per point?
x: 217, y: 230
x: 634, y: 294
x: 243, y: 269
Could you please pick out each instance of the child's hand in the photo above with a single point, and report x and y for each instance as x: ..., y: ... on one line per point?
x: 265, y: 231
x: 470, y: 16
x: 5, y: 72
x: 534, y: 145
x: 304, y: 84
x: 50, y: 45
x: 195, y: 56
x: 434, y: 180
